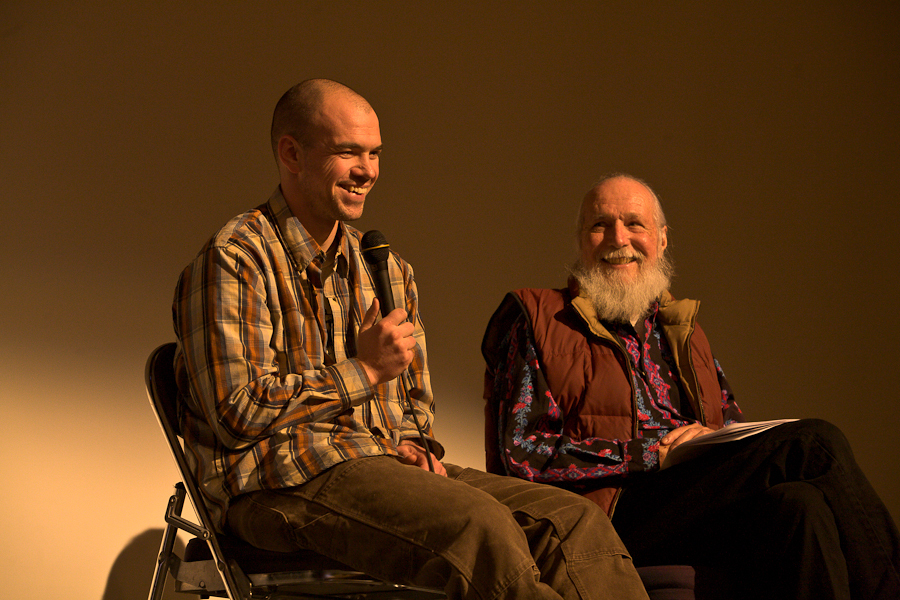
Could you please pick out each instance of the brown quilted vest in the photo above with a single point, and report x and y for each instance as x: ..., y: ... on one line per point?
x: 590, y: 377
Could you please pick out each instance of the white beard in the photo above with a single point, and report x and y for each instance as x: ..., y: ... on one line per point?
x: 619, y: 300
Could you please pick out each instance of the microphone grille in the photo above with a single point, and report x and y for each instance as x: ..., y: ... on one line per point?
x: 374, y: 247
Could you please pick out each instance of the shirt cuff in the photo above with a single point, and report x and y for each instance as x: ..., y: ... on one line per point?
x: 643, y: 454
x: 351, y: 382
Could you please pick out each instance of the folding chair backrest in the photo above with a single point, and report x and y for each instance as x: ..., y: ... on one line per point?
x: 163, y: 388
x: 163, y: 391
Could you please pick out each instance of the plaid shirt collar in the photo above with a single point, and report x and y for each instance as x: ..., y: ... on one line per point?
x: 301, y: 246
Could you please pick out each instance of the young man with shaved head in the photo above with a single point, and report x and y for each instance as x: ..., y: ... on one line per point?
x: 295, y: 422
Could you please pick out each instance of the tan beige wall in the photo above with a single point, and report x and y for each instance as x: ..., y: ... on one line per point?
x: 130, y: 131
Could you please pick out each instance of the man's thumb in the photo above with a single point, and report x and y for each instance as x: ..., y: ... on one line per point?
x: 371, y: 316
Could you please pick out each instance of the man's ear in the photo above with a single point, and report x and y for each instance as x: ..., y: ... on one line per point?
x: 663, y: 238
x: 290, y: 154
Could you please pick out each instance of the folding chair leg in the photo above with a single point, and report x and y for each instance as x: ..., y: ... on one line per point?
x: 165, y: 556
x: 237, y: 585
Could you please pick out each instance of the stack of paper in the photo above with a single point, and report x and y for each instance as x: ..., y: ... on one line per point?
x: 729, y: 433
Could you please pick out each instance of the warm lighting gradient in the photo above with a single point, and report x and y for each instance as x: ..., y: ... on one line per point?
x: 129, y: 133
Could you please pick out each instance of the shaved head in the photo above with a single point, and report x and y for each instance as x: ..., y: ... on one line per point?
x: 297, y: 111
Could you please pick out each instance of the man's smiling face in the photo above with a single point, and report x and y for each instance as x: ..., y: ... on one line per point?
x: 340, y: 166
x: 620, y: 234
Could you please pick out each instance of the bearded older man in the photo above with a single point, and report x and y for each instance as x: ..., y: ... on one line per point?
x: 591, y: 387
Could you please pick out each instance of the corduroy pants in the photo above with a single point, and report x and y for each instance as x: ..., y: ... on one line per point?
x: 474, y: 534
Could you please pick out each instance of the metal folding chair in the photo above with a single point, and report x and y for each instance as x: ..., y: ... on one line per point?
x: 215, y: 564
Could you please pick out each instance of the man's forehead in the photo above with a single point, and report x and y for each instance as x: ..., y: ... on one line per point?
x: 341, y: 107
x: 335, y: 109
x: 632, y: 205
x: 351, y: 134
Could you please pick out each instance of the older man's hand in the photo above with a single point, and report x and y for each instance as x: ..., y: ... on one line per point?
x: 676, y: 437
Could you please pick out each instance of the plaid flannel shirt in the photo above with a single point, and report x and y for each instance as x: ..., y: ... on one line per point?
x: 272, y: 393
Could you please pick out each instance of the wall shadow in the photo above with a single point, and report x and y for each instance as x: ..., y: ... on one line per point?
x: 133, y: 569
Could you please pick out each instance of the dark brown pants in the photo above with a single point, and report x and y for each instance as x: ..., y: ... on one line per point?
x: 786, y: 514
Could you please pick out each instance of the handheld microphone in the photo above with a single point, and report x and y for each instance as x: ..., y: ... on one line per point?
x: 375, y: 251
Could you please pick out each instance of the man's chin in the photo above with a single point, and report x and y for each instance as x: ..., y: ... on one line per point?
x: 620, y: 276
x: 350, y: 210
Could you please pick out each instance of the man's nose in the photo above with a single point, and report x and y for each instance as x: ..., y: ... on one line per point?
x: 617, y: 234
x: 365, y: 167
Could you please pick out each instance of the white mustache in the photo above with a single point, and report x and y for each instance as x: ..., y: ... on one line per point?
x: 623, y: 253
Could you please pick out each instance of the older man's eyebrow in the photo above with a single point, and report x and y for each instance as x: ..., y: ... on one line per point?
x: 630, y: 216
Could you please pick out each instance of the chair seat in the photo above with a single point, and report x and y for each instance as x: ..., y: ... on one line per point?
x: 668, y: 582
x: 254, y: 560
x: 302, y: 574
x: 663, y: 582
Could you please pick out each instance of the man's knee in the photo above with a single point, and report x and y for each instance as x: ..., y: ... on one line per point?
x: 823, y: 429
x: 796, y: 497
x: 573, y: 515
x: 826, y: 435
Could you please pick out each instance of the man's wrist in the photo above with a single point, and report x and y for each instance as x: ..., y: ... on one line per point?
x: 352, y: 382
x: 371, y: 375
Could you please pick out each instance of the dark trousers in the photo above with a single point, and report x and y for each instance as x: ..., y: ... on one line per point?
x: 474, y: 534
x: 786, y: 514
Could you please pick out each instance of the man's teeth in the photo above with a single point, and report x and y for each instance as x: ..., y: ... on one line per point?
x: 356, y: 190
x: 619, y: 260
